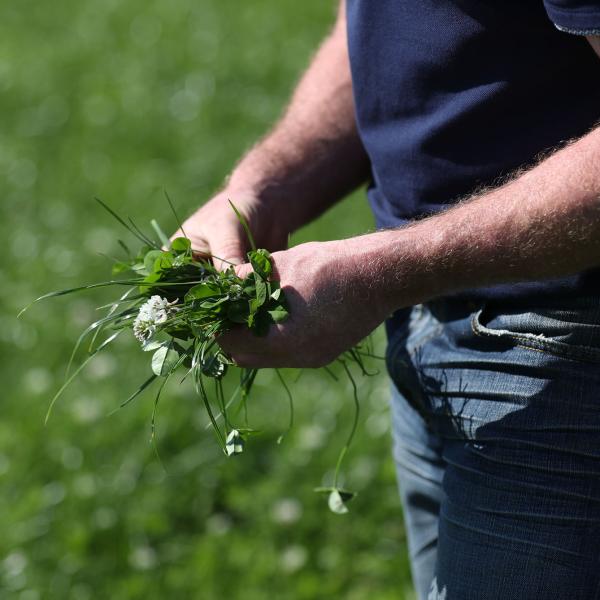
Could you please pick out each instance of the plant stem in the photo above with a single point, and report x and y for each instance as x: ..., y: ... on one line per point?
x: 354, y: 424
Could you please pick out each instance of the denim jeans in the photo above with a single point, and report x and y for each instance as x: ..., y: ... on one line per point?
x: 496, y: 420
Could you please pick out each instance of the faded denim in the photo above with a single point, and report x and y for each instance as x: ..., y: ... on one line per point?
x: 496, y: 413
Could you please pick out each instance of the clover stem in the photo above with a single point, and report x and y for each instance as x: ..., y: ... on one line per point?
x: 354, y: 424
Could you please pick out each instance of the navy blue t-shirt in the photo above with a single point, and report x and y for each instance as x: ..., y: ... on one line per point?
x: 452, y: 95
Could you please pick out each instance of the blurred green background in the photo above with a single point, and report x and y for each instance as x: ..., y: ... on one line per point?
x: 121, y: 99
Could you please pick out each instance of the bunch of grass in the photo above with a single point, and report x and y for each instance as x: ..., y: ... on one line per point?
x: 177, y: 305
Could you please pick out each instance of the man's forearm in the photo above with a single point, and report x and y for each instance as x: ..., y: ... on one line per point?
x: 543, y: 224
x: 313, y: 156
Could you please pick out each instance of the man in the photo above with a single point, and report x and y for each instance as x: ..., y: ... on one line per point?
x: 495, y: 406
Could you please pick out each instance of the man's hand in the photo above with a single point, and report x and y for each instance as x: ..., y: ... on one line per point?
x: 311, y: 159
x: 541, y: 225
x: 330, y: 303
x: 215, y: 230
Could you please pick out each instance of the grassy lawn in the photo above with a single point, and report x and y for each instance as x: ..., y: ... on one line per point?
x: 120, y: 99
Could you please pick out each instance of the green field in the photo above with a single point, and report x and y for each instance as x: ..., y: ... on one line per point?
x: 120, y: 99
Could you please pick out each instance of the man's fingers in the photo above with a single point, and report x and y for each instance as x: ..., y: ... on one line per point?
x: 242, y: 341
x: 200, y: 249
x: 239, y: 341
x: 200, y: 245
x: 226, y: 248
x: 243, y: 270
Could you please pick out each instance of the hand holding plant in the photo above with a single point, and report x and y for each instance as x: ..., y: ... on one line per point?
x: 329, y: 305
x: 214, y: 230
x: 182, y: 309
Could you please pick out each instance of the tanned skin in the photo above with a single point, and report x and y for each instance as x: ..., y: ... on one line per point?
x: 543, y: 223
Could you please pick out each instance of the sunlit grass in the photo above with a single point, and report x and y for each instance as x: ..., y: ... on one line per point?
x: 120, y: 100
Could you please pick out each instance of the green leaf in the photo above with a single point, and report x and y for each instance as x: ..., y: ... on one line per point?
x: 159, y: 340
x: 152, y: 278
x: 210, y: 304
x: 163, y: 262
x: 139, y: 268
x: 237, y: 311
x: 279, y: 314
x: 150, y: 260
x: 181, y: 245
x: 152, y: 345
x: 142, y: 252
x: 254, y: 306
x: 164, y: 360
x: 261, y: 262
x: 202, y: 290
x: 120, y: 267
x: 261, y: 292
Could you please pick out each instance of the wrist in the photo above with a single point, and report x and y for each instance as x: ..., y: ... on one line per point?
x: 398, y: 268
x: 237, y: 185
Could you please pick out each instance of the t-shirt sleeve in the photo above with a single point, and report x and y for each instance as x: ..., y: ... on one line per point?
x: 580, y: 17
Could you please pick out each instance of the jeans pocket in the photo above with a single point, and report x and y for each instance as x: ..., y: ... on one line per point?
x: 565, y: 328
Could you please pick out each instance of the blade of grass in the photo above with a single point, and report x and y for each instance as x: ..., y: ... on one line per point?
x: 291, y: 401
x: 125, y: 248
x: 164, y: 240
x: 177, y: 219
x: 121, y: 220
x: 96, y: 327
x: 111, y: 312
x: 135, y: 394
x: 64, y: 386
x: 149, y: 241
x: 354, y: 424
x: 244, y: 224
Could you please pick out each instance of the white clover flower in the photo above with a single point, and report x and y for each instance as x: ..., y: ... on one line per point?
x: 152, y: 313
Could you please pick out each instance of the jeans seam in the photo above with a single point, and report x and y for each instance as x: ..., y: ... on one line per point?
x: 553, y: 348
